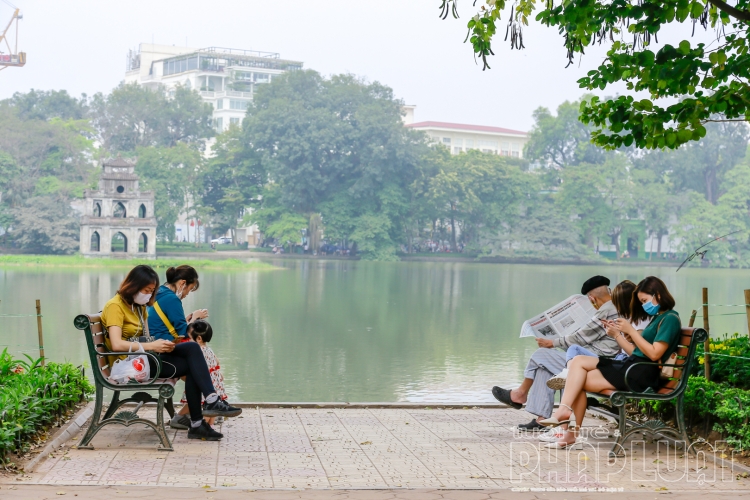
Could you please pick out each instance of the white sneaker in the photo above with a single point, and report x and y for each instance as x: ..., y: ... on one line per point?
x: 558, y: 381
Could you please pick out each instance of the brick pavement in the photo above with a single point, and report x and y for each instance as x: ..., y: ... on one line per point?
x: 375, y: 448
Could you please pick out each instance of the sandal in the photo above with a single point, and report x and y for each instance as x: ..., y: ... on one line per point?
x: 553, y: 422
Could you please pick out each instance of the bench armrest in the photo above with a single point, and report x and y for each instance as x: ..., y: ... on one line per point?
x: 155, y: 358
x: 651, y: 363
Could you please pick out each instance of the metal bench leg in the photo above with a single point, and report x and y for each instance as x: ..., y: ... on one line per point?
x: 618, y: 448
x: 114, y: 405
x: 165, y: 394
x: 679, y: 416
x: 170, y: 407
x: 94, y: 425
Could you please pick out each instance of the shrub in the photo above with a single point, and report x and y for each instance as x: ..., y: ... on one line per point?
x: 33, y: 396
x: 735, y: 371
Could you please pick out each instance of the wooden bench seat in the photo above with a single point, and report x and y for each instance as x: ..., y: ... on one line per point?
x: 671, y: 389
x: 98, y: 353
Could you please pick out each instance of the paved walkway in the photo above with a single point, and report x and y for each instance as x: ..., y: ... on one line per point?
x: 369, y: 448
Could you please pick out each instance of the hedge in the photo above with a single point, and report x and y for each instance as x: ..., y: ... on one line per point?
x: 33, y: 396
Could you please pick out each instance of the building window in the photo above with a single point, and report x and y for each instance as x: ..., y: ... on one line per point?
x: 143, y: 243
x: 219, y: 124
x: 236, y: 104
x: 120, y: 189
x: 119, y: 243
x: 97, y: 209
x: 469, y: 143
x: 505, y: 149
x: 447, y: 141
x: 219, y: 103
x: 95, y: 242
x: 515, y: 150
x: 234, y: 121
x: 119, y: 211
x: 487, y: 146
x: 456, y: 151
x: 142, y: 211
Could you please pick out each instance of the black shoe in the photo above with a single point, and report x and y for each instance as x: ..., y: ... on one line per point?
x: 220, y: 408
x: 503, y: 395
x: 204, y: 432
x: 531, y: 426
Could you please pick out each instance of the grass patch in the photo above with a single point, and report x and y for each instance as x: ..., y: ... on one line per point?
x: 78, y: 261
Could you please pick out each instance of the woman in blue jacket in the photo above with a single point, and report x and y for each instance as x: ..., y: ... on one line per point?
x: 166, y: 318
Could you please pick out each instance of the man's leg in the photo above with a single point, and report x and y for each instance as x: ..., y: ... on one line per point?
x: 546, y: 363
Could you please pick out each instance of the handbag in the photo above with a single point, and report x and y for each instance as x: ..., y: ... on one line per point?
x: 667, y: 372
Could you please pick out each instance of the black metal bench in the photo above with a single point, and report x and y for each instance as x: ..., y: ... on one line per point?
x: 98, y: 353
x: 671, y: 389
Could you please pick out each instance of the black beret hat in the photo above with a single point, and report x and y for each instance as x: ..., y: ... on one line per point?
x: 594, y: 282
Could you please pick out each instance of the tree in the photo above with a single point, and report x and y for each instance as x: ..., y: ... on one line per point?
x: 230, y: 181
x: 170, y: 173
x: 45, y: 224
x: 45, y: 105
x: 132, y: 116
x: 338, y: 147
x: 477, y: 193
x: 561, y: 140
x: 704, y: 81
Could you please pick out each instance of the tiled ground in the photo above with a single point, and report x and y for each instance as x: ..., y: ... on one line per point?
x: 378, y: 448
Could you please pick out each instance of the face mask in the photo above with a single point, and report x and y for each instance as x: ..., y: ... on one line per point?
x: 179, y: 292
x: 142, y: 298
x: 650, y: 308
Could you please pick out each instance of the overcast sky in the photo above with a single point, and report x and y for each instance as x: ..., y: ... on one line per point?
x: 81, y: 45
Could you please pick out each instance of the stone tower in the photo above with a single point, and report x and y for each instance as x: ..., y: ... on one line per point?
x: 119, y: 218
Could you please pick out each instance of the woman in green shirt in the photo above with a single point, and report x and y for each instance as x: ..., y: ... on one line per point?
x: 655, y: 344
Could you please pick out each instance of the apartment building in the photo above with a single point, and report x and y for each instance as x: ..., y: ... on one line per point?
x: 226, y: 78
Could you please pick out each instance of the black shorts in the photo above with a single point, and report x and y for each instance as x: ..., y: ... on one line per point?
x: 640, y: 377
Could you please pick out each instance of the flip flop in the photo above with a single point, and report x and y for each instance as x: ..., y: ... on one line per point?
x: 503, y: 395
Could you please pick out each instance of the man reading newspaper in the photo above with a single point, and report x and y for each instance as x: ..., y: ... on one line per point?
x: 549, y: 359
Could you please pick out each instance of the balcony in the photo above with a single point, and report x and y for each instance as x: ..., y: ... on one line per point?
x: 225, y: 93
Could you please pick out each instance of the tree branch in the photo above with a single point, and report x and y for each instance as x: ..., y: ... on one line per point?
x: 743, y: 120
x: 742, y: 15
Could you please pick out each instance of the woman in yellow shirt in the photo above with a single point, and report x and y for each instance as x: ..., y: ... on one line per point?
x: 125, y: 318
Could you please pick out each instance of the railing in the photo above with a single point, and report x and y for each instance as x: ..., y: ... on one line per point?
x: 226, y: 93
x: 240, y: 52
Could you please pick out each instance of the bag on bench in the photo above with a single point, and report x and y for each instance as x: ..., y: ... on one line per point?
x: 134, y: 367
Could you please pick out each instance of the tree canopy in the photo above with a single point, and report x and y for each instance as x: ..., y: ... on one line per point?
x: 686, y: 85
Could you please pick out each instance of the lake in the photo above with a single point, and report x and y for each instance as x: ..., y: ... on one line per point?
x: 347, y: 331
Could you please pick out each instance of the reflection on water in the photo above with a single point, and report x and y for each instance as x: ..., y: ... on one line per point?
x: 355, y: 331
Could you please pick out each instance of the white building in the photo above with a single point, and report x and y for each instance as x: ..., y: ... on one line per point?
x: 460, y: 137
x: 225, y: 78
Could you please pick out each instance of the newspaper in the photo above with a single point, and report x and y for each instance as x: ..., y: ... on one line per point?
x: 565, y: 318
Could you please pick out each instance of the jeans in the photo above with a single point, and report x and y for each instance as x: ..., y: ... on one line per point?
x: 576, y: 350
x: 187, y: 360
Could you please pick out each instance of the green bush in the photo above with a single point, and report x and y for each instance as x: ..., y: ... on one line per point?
x: 33, y: 396
x: 727, y: 408
x: 734, y: 370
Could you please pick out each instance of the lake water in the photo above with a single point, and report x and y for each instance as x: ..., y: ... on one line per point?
x: 356, y: 331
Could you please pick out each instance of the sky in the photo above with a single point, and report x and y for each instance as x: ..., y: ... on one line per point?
x: 80, y: 46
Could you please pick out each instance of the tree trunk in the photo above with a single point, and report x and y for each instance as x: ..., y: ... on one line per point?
x: 710, y: 179
x: 660, y: 235
x: 454, y: 247
x: 617, y: 244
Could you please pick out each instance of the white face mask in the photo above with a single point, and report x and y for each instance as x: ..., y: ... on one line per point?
x: 142, y: 298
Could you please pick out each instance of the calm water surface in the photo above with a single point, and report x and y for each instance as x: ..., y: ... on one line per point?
x: 355, y: 331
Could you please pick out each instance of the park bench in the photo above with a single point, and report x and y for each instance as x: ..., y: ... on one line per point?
x: 672, y: 389
x: 95, y: 334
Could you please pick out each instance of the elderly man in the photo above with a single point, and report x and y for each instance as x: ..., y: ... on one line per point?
x: 549, y: 359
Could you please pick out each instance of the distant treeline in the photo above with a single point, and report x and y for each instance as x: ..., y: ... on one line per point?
x: 330, y: 158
